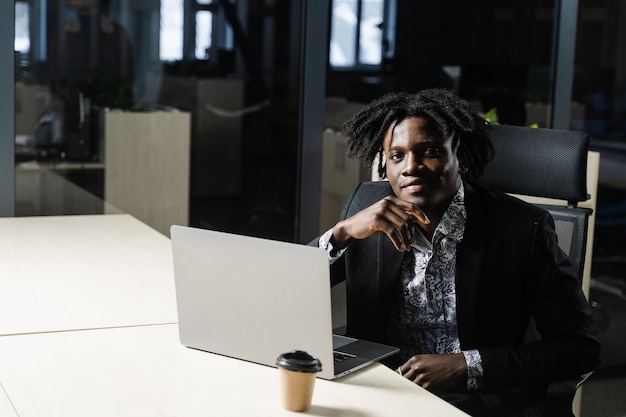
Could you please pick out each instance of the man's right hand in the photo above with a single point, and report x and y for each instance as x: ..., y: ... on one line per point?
x: 391, y: 216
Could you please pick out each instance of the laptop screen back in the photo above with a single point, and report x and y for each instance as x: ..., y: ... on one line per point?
x: 252, y: 298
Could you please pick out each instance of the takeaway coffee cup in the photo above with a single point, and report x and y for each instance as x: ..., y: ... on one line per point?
x: 297, y: 371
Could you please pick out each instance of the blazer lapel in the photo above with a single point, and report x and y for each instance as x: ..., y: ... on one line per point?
x: 389, y: 258
x: 469, y: 259
x: 389, y: 265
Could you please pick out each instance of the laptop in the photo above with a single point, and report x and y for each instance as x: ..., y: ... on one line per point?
x: 252, y: 299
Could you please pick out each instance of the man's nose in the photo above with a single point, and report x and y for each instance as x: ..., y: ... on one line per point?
x: 412, y: 164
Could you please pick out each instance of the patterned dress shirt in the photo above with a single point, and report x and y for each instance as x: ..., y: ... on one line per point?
x: 424, y: 317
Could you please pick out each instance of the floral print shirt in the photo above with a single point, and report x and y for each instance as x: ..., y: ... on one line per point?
x: 424, y: 317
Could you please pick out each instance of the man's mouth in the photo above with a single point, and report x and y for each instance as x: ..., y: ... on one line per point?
x: 414, y: 186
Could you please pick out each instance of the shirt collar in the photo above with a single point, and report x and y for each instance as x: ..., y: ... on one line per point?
x: 452, y: 224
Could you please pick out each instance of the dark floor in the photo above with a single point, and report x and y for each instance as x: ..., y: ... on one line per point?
x: 604, y: 398
x: 604, y: 394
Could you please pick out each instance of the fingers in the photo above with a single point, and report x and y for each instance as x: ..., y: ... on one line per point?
x: 397, y: 224
x: 416, y: 213
x: 416, y: 374
x: 435, y: 372
x: 403, y: 215
x: 419, y: 215
x: 411, y: 370
x: 392, y: 216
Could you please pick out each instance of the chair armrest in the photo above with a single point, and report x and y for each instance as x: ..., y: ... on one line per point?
x: 560, y: 396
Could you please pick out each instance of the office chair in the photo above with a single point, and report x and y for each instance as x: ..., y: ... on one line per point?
x: 551, y: 164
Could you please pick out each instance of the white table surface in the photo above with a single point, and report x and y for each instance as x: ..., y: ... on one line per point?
x: 6, y: 409
x: 90, y: 329
x: 83, y: 272
x: 145, y: 371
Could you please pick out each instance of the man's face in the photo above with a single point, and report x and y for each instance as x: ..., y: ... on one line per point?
x: 421, y: 165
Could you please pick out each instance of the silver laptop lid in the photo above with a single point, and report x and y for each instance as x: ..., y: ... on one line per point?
x: 252, y: 298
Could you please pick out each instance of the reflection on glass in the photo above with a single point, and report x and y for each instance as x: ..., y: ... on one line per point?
x: 159, y: 107
x: 90, y: 67
x: 171, y: 31
x: 204, y: 26
x: 356, y: 36
x: 22, y: 27
x: 343, y: 33
x: 370, y: 42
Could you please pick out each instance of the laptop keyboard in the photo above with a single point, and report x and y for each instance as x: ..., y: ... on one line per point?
x: 341, y: 356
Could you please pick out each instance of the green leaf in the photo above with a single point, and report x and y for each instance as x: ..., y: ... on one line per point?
x: 492, y: 116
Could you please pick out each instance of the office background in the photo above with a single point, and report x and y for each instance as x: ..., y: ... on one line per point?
x: 243, y: 100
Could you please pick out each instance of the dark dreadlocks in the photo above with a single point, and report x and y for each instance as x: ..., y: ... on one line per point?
x: 365, y: 131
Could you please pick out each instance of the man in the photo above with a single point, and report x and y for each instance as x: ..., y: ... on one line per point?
x: 450, y: 272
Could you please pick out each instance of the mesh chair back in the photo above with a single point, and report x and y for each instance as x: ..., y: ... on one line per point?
x: 538, y: 162
x: 545, y: 163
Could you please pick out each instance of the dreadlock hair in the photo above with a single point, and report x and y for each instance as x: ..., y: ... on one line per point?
x: 451, y: 115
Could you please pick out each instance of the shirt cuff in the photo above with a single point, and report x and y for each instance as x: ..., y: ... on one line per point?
x: 324, y: 243
x: 474, y: 369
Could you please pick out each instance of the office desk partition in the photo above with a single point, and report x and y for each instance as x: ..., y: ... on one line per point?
x: 145, y: 371
x: 83, y: 272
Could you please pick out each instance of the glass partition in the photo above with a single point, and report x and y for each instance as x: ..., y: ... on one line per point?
x: 497, y: 54
x: 175, y: 111
x: 599, y: 93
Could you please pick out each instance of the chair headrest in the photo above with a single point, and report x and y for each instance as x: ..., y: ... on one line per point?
x: 538, y: 162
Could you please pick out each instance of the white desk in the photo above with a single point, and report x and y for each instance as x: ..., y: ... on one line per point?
x: 6, y: 409
x: 87, y: 301
x: 83, y: 272
x: 145, y: 371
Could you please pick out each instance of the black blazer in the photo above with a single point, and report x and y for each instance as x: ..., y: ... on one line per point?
x: 509, y: 268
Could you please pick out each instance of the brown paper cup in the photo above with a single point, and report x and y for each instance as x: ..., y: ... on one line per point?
x: 297, y: 372
x: 296, y: 389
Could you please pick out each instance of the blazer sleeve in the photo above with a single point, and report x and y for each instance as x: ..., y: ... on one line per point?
x: 568, y: 346
x: 338, y: 268
x: 363, y: 196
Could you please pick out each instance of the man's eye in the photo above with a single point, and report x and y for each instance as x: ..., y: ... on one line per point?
x: 430, y: 152
x: 396, y: 156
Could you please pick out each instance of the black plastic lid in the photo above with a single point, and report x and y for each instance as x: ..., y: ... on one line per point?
x: 299, y: 361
